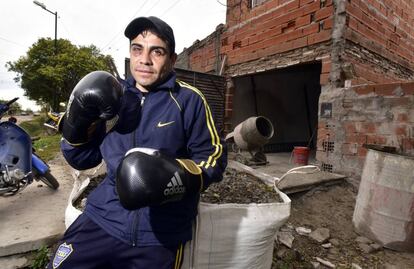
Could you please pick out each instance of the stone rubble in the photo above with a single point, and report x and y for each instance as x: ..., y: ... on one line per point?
x: 326, y: 263
x: 285, y: 238
x: 362, y: 239
x: 303, y: 230
x: 320, y: 235
x: 316, y: 265
x: 327, y: 245
x: 334, y: 242
x: 356, y: 266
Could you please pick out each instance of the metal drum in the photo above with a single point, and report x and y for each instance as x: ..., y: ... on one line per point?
x: 384, y: 210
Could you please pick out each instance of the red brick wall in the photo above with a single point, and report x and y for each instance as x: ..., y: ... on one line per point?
x: 367, y: 73
x: 381, y: 29
x: 276, y: 26
x: 204, y: 58
x: 386, y: 28
x: 326, y: 69
x: 396, y: 128
x: 381, y: 114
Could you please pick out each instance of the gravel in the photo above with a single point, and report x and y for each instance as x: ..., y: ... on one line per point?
x: 240, y: 188
x: 236, y: 187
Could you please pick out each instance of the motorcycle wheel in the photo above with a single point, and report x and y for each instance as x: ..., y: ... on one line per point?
x: 49, y: 180
x: 49, y: 129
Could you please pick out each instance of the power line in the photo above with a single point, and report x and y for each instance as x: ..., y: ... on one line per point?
x: 147, y: 12
x: 221, y: 3
x: 169, y: 9
x: 10, y: 41
x: 64, y: 26
x: 118, y: 44
x: 236, y: 4
x: 156, y: 3
x: 139, y: 9
x: 116, y: 36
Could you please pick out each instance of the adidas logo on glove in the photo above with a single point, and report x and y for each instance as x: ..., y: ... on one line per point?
x: 175, y: 186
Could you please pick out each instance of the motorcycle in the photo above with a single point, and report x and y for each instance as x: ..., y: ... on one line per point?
x: 52, y: 122
x: 19, y: 165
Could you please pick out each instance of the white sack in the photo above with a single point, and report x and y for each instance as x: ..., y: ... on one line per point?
x: 236, y: 235
x: 81, y: 181
x: 231, y: 236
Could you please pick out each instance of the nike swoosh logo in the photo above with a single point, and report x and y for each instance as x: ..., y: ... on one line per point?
x: 162, y: 124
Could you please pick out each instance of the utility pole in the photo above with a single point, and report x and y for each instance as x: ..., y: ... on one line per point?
x: 43, y: 6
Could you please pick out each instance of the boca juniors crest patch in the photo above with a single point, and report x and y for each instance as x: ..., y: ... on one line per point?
x: 62, y: 253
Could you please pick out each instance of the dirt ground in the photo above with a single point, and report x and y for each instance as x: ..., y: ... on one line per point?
x: 329, y: 207
x: 332, y: 208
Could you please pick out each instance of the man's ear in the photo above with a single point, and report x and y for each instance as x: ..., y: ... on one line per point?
x: 173, y: 58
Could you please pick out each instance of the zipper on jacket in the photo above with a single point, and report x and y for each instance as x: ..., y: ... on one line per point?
x: 142, y: 99
x: 136, y: 215
x: 134, y: 229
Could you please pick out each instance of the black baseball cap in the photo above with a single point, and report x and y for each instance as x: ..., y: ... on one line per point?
x: 136, y: 26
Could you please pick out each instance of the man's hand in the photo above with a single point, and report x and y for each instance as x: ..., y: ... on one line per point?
x: 145, y: 177
x: 94, y: 100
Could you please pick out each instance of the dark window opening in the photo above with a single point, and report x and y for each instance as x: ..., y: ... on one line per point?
x: 288, y: 97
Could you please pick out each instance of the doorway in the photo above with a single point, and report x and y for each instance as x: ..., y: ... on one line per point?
x: 287, y: 97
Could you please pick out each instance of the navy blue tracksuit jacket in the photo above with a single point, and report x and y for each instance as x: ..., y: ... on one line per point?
x: 175, y: 119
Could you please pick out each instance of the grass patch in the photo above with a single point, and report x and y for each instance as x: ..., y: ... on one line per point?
x: 35, y: 126
x: 46, y: 146
x: 41, y: 259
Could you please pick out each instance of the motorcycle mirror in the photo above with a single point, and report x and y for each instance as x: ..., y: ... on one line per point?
x: 12, y: 101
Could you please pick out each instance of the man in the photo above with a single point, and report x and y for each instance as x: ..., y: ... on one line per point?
x: 163, y: 150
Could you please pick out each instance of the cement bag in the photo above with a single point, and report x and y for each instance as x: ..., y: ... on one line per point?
x: 236, y: 235
x: 81, y: 181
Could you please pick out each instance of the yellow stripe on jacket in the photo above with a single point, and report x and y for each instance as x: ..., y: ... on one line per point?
x: 215, y: 139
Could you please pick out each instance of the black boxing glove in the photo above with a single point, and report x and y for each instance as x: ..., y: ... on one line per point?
x: 94, y: 101
x: 145, y: 177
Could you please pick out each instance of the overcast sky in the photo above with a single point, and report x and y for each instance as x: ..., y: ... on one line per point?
x: 97, y: 22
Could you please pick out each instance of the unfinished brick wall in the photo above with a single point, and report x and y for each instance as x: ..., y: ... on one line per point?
x: 203, y: 56
x: 369, y: 67
x: 381, y: 114
x: 358, y: 42
x: 372, y: 41
x: 383, y: 34
x: 378, y: 52
x: 270, y: 29
x: 274, y: 27
x: 272, y: 35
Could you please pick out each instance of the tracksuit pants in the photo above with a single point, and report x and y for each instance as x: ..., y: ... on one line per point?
x: 86, y: 246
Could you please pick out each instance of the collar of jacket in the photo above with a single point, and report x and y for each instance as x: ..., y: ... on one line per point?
x: 168, y: 84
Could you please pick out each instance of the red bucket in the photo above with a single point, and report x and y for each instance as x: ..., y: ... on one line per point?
x: 301, y: 155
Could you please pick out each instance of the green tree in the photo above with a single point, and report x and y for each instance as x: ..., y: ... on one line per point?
x: 50, y: 78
